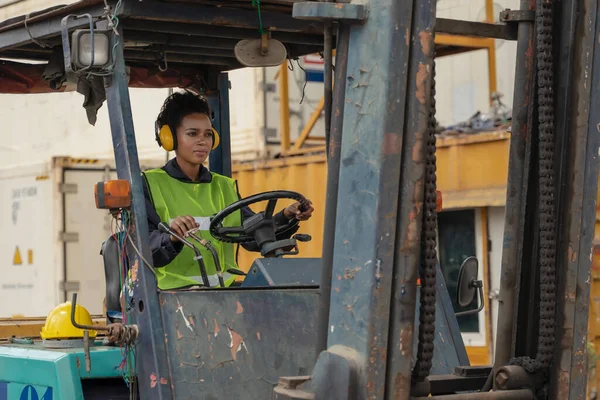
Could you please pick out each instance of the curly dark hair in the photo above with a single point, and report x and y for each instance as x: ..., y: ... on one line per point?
x: 179, y: 105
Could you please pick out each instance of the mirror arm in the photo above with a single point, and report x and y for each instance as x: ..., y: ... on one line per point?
x: 479, y: 286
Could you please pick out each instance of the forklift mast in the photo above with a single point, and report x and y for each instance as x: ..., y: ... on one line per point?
x: 383, y: 140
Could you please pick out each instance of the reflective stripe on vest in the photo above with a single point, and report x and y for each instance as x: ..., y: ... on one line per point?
x: 213, y: 280
x: 173, y: 198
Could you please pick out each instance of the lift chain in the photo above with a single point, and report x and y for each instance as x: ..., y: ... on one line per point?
x: 428, y: 250
x: 546, y: 184
x: 547, y: 255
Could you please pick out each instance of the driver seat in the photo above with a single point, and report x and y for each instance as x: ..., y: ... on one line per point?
x: 112, y: 275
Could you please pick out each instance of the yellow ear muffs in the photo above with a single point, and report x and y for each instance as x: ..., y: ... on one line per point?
x: 216, y: 139
x: 168, y: 141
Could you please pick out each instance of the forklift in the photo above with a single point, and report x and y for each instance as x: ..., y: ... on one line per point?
x: 371, y: 319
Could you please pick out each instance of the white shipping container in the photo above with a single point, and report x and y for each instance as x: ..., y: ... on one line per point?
x: 52, y: 234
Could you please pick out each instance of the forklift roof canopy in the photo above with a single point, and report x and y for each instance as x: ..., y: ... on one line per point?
x: 194, y: 39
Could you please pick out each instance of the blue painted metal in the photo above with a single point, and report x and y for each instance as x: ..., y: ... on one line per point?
x: 315, y: 76
x: 235, y: 344
x: 577, y: 127
x: 341, y: 12
x: 53, y: 374
x: 220, y: 158
x: 449, y: 351
x: 377, y: 241
x: 151, y: 354
x: 44, y: 28
x: 216, y: 16
x: 284, y: 272
x: 514, y: 241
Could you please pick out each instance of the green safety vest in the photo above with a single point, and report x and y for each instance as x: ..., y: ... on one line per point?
x: 173, y: 198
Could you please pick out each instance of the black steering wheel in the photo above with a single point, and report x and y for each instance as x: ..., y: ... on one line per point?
x: 261, y: 227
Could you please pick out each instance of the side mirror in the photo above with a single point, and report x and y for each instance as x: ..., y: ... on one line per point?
x: 468, y: 286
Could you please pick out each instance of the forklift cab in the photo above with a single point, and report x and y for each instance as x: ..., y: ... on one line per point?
x: 355, y: 325
x: 204, y: 342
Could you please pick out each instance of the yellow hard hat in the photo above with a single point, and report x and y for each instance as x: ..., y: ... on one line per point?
x: 58, y: 323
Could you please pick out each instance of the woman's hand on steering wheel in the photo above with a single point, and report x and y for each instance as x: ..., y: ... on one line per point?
x: 295, y: 210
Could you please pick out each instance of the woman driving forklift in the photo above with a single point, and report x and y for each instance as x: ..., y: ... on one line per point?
x: 184, y: 194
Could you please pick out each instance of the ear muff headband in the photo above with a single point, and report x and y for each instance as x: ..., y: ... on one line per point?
x: 168, y: 141
x: 216, y: 139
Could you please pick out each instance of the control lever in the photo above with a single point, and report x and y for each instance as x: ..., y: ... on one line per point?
x: 235, y: 271
x: 206, y: 244
x: 302, y: 237
x: 162, y: 227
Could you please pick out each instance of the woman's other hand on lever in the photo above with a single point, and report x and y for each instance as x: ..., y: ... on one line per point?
x: 182, y: 224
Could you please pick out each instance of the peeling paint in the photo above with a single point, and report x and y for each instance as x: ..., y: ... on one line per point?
x: 417, y: 151
x: 406, y: 339
x: 192, y: 323
x: 180, y: 310
x: 349, y: 274
x: 240, y: 309
x: 572, y: 254
x: 400, y: 386
x: 422, y: 79
x: 152, y: 380
x: 179, y: 335
x: 426, y: 43
x: 411, y: 232
x: 378, y: 273
x: 163, y: 381
x: 217, y: 329
x: 392, y: 143
x: 237, y: 342
x: 258, y: 335
x: 134, y: 271
x: 205, y: 323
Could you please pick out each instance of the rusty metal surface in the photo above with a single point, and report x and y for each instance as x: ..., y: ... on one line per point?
x: 523, y: 394
x: 151, y: 355
x: 449, y: 350
x: 371, y: 186
x: 578, y: 94
x: 407, y: 256
x: 235, y: 344
x: 332, y: 174
x: 516, y: 192
x: 180, y: 33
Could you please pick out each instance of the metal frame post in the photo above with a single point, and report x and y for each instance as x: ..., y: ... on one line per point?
x: 577, y: 118
x: 377, y: 227
x: 151, y: 358
x: 333, y: 173
x: 220, y: 158
x: 512, y: 251
x: 284, y: 108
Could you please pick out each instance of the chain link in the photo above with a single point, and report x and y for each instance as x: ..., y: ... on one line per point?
x: 428, y: 250
x: 545, y: 351
x: 547, y: 230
